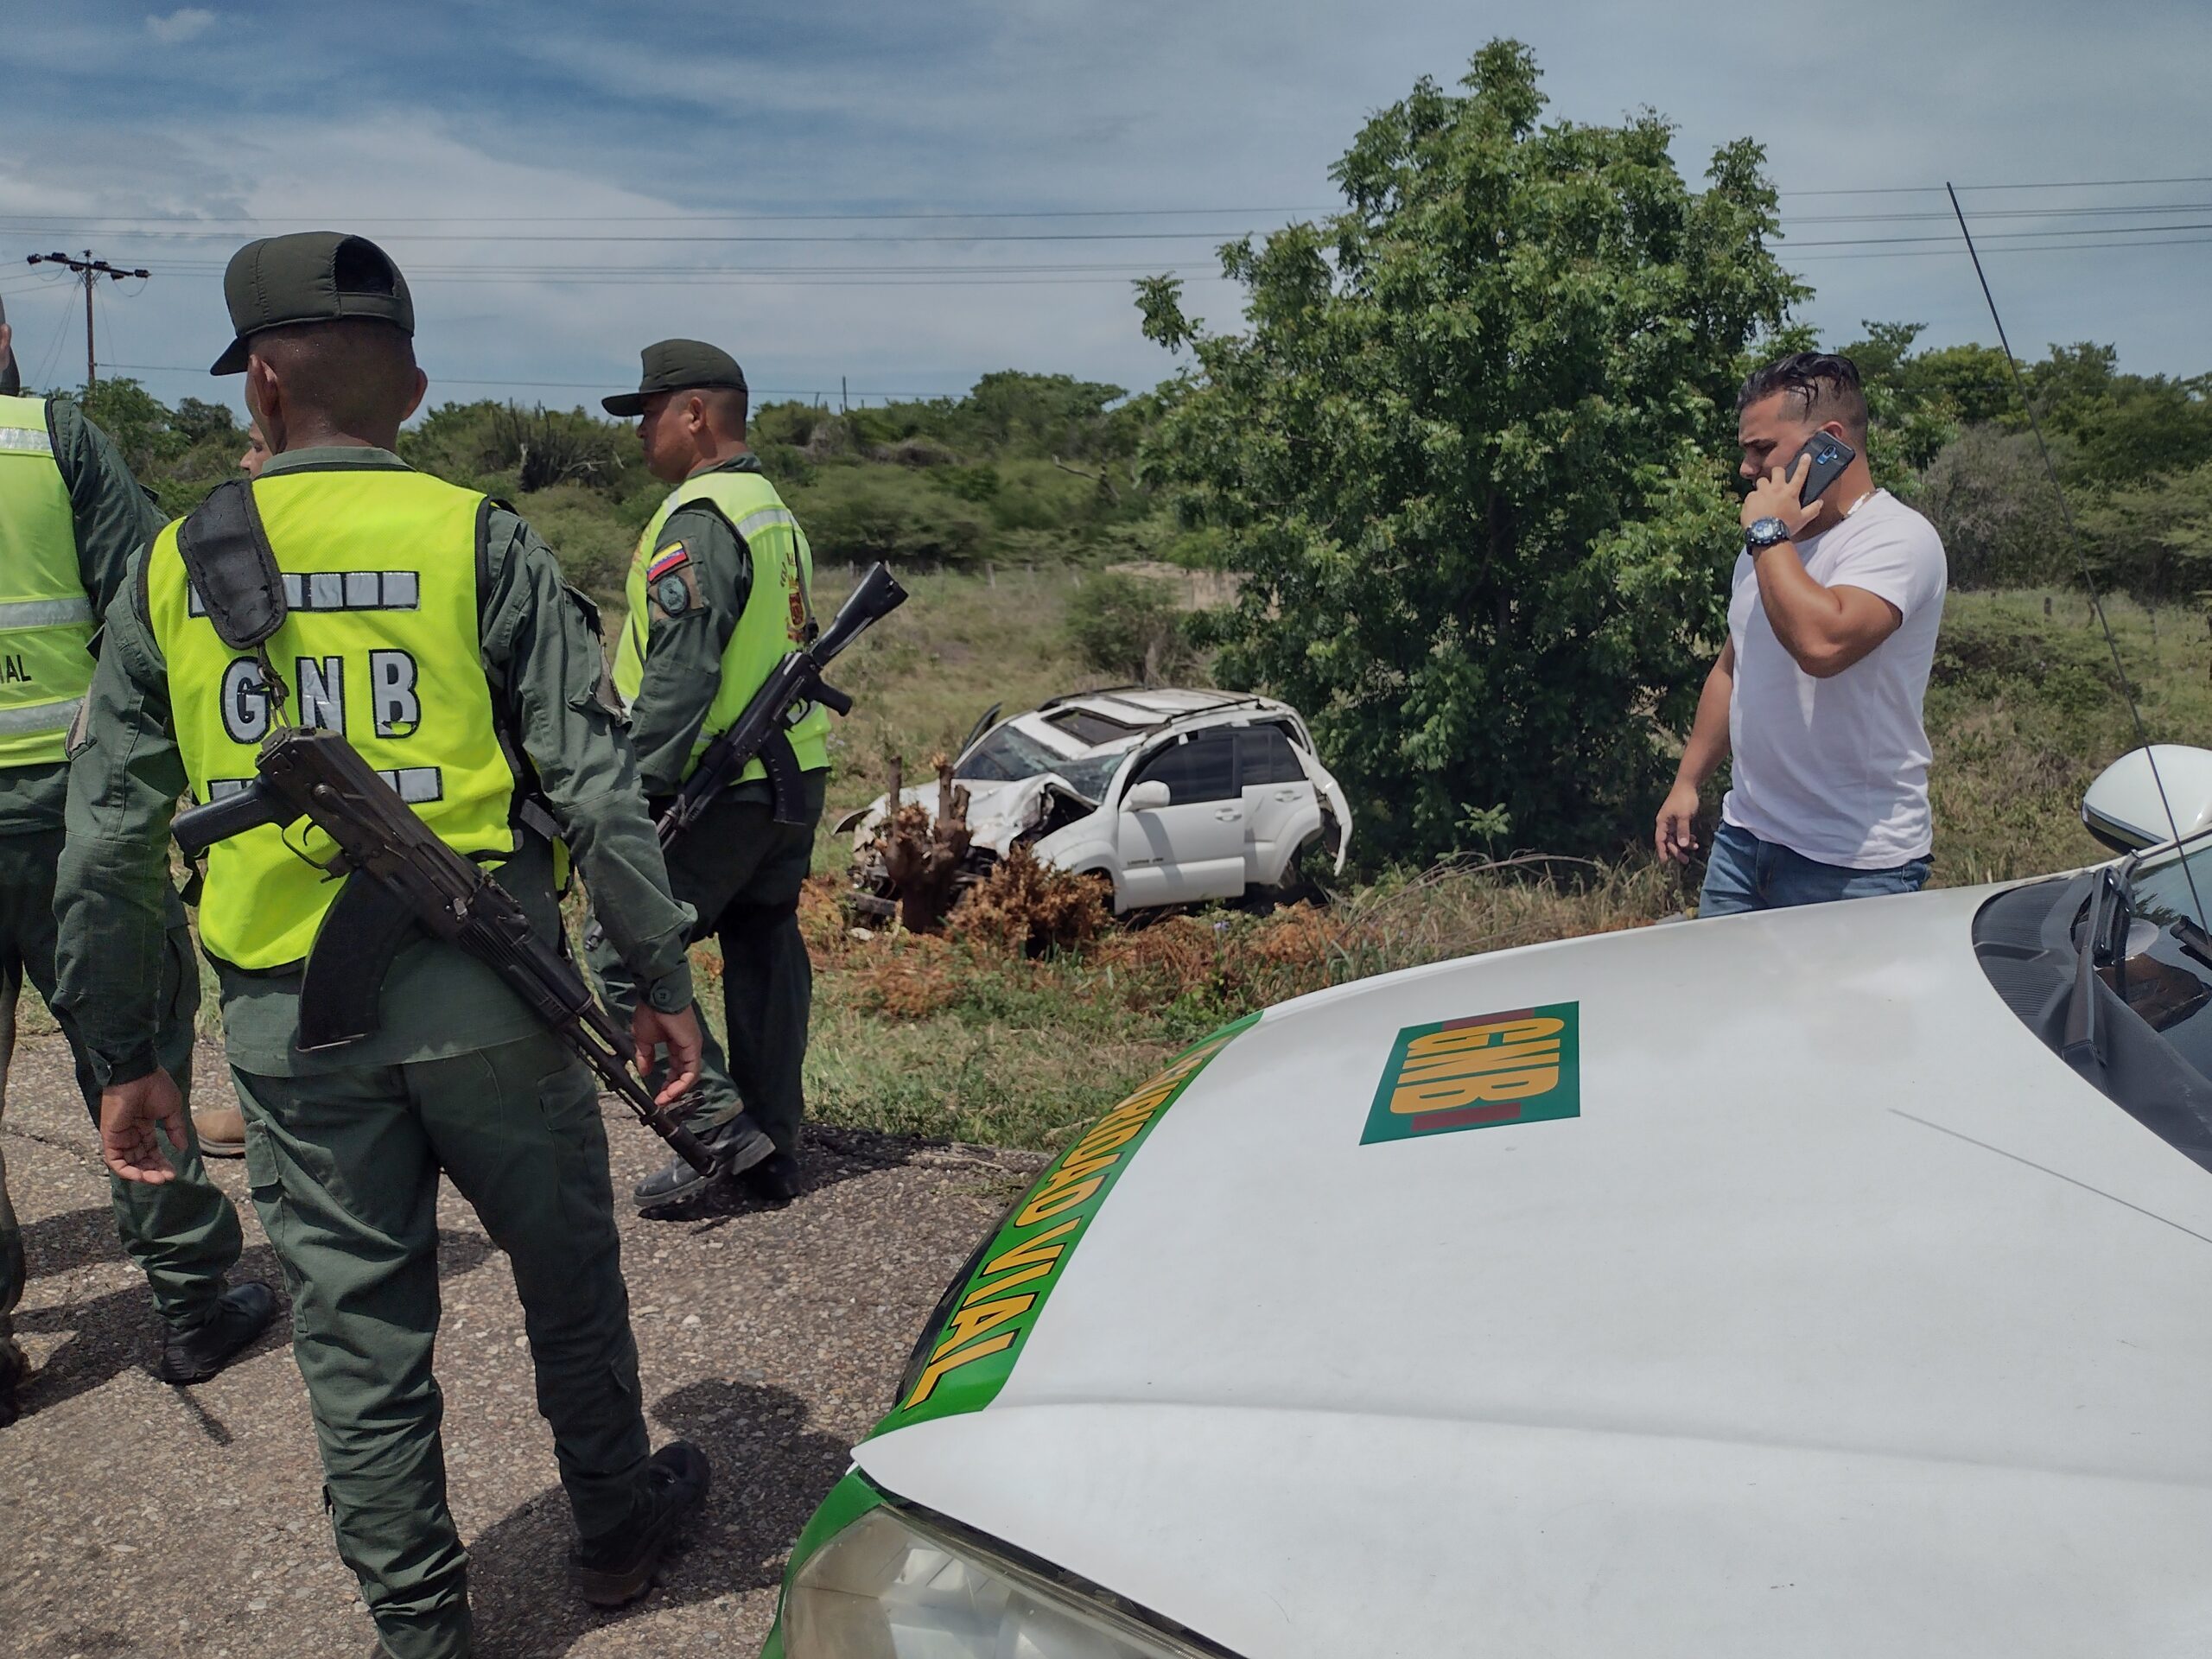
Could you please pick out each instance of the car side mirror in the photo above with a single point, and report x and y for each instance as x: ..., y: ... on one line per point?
x: 1151, y: 795
x: 2127, y: 809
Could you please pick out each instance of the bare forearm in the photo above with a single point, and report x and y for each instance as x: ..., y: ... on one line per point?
x: 1708, y: 744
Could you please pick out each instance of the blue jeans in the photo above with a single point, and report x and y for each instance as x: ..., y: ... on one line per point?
x: 1747, y: 873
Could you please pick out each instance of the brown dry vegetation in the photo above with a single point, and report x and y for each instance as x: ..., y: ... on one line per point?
x: 1012, y: 1028
x: 1024, y: 1020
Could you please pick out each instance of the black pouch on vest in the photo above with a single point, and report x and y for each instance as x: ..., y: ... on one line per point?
x: 233, y: 567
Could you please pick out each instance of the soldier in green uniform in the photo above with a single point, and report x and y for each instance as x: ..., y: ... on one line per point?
x: 431, y: 626
x: 720, y: 590
x: 70, y: 518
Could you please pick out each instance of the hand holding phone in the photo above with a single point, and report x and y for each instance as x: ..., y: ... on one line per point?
x: 1830, y: 457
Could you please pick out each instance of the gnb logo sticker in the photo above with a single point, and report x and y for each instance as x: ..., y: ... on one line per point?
x: 1476, y: 1072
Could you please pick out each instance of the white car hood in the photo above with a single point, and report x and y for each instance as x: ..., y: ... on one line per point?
x: 1844, y: 1319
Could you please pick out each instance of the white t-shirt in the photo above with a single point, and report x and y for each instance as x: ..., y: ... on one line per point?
x: 1837, y: 769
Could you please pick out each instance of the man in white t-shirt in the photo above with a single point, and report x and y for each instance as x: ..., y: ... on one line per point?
x: 1832, y: 626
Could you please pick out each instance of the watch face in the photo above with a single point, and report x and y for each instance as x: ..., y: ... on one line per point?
x: 1766, y: 532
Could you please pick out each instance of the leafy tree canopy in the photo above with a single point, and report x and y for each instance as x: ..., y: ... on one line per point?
x: 1473, y: 455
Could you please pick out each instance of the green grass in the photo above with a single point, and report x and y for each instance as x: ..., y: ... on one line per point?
x: 2020, y: 727
x: 939, y: 1038
x: 2021, y: 716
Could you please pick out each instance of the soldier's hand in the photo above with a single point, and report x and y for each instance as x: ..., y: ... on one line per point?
x: 129, y: 1112
x: 680, y: 1031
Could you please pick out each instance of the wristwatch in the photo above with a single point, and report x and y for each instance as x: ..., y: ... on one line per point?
x: 1763, y: 534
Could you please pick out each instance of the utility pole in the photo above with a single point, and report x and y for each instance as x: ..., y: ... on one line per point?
x: 91, y: 270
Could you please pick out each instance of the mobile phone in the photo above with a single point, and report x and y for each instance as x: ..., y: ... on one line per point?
x: 1830, y: 456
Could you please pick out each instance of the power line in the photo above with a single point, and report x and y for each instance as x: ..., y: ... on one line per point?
x: 91, y: 270
x: 891, y: 216
x: 608, y: 385
x: 657, y: 219
x: 1947, y: 253
x: 2043, y: 184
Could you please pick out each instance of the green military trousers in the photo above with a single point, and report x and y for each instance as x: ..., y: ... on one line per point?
x: 345, y: 1170
x: 741, y: 871
x: 183, y: 1233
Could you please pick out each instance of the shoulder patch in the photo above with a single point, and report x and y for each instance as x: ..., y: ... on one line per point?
x: 667, y: 560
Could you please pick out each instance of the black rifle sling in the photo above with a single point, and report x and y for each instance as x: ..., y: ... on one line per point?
x: 233, y: 569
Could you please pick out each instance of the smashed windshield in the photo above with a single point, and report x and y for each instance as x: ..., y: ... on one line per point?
x: 1009, y: 754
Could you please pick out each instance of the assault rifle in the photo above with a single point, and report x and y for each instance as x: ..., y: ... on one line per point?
x: 761, y: 731
x: 400, y: 880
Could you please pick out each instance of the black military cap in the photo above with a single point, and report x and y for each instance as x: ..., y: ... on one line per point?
x: 678, y: 365
x: 309, y: 276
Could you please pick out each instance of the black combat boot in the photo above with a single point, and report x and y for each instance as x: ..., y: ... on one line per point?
x: 241, y: 1312
x: 736, y: 1145
x: 13, y: 1369
x: 620, y: 1568
x: 775, y: 1178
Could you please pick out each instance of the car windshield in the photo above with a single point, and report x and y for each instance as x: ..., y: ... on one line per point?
x: 1089, y: 776
x: 1009, y: 754
x: 2167, y: 977
x: 2112, y: 971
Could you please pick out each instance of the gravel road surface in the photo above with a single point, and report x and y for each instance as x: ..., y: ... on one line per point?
x: 144, y: 1520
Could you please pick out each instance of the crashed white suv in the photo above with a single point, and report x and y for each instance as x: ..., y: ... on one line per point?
x: 1176, y: 796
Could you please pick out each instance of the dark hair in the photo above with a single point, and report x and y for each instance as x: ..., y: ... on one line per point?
x: 356, y: 372
x: 730, y: 407
x: 1822, y: 386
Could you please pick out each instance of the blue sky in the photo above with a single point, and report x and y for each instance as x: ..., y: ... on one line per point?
x: 482, y: 142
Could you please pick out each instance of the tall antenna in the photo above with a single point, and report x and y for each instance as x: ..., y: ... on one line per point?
x: 2080, y: 557
x: 91, y: 270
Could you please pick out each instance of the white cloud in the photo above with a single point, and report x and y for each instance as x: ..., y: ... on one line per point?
x: 186, y: 23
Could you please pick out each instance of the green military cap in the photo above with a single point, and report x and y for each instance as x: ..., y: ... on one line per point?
x: 678, y: 365
x: 309, y: 276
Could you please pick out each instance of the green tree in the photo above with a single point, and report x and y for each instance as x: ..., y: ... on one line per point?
x: 2155, y: 538
x: 1129, y: 625
x: 137, y: 421
x: 1472, y: 457
x: 1991, y: 501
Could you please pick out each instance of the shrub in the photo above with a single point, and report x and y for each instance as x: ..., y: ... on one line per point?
x: 1129, y: 625
x: 1989, y: 498
x: 855, y: 514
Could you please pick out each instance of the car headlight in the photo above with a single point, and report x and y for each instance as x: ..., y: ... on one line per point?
x: 890, y: 1586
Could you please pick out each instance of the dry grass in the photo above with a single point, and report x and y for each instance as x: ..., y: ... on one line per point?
x: 989, y: 1031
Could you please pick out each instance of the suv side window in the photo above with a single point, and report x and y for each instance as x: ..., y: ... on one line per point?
x: 1264, y: 756
x: 1201, y: 769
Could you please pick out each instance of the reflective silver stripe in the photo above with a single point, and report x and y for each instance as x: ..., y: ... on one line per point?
x: 27, y: 440
x: 342, y: 590
x: 417, y: 785
x: 762, y: 519
x: 38, y: 717
x: 45, y: 612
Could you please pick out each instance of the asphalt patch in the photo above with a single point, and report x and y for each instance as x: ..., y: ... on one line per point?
x: 146, y: 1520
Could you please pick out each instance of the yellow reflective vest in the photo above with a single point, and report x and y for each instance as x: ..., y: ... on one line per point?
x: 46, y: 616
x: 774, y: 622
x: 382, y: 643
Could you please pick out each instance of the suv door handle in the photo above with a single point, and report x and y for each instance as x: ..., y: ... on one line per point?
x: 1230, y: 814
x: 1286, y: 794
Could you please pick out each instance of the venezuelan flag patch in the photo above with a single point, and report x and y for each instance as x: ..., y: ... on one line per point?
x: 669, y: 559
